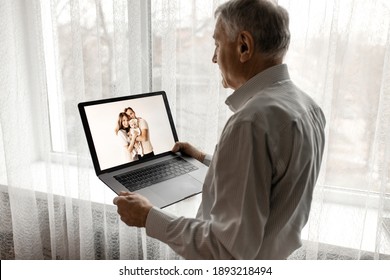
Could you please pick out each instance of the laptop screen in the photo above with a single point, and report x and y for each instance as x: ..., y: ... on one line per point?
x: 109, y: 129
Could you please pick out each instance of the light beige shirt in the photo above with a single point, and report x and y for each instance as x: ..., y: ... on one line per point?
x: 258, y: 190
x: 146, y: 145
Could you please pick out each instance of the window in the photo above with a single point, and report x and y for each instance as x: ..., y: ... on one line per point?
x: 97, y: 49
x: 344, y: 43
x: 93, y: 49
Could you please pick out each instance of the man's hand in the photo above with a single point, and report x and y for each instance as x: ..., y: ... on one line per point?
x: 133, y: 208
x: 189, y: 150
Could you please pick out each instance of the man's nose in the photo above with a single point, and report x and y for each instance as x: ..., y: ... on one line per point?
x: 214, y: 58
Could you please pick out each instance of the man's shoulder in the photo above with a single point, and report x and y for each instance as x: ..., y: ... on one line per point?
x: 142, y: 123
x: 274, y: 107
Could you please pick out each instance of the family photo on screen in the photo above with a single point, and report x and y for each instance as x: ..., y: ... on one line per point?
x: 133, y: 136
x: 125, y: 131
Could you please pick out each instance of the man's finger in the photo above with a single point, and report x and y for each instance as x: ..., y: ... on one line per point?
x: 124, y: 193
x: 176, y: 147
x: 118, y: 199
x: 115, y: 201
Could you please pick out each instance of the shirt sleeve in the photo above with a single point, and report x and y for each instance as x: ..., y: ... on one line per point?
x: 143, y: 124
x: 238, y: 183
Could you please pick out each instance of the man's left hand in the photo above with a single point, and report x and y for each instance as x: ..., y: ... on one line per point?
x: 133, y: 208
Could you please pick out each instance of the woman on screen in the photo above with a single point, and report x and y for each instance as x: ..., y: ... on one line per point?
x: 122, y: 131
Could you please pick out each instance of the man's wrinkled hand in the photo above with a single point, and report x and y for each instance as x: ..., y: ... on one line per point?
x: 133, y: 208
x: 189, y: 150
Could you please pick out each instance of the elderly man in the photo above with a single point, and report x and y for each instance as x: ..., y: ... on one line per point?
x: 257, y: 193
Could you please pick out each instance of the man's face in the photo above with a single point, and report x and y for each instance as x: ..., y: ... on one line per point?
x: 130, y: 113
x: 226, y: 56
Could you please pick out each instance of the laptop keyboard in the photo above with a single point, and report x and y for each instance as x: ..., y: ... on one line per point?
x: 149, y: 175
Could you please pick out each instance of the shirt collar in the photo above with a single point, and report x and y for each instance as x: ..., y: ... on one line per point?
x: 257, y: 83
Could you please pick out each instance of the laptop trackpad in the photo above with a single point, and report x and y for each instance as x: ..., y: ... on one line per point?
x: 171, y: 191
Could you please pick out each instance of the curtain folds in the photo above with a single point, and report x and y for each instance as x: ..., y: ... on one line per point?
x: 55, y: 54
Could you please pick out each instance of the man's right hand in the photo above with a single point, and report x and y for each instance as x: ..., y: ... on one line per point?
x: 189, y: 150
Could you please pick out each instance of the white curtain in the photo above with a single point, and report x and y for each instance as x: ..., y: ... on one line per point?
x: 340, y: 55
x: 54, y: 54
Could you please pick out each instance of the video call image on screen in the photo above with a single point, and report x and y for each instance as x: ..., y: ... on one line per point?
x: 111, y: 141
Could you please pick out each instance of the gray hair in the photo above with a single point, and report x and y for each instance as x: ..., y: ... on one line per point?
x: 265, y: 20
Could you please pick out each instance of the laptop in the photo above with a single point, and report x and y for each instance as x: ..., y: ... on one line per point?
x: 164, y: 177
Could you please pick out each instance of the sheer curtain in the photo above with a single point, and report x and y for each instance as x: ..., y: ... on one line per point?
x: 340, y: 55
x: 56, y: 53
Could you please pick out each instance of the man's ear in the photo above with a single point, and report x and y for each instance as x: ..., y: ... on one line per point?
x: 246, y: 45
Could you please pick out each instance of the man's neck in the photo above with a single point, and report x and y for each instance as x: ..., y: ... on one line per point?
x: 257, y: 65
